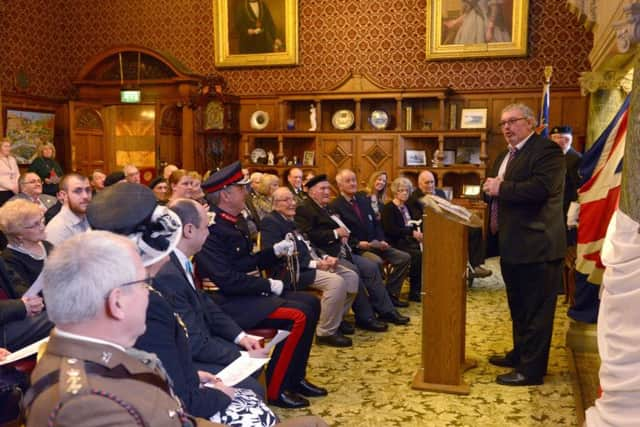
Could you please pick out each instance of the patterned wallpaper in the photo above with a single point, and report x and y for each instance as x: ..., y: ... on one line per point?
x: 52, y: 39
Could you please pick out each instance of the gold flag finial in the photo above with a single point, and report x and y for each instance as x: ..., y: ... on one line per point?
x: 548, y: 70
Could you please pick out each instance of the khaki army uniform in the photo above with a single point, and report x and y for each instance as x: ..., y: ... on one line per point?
x: 82, y: 383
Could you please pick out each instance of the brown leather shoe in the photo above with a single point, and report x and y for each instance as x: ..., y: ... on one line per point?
x: 481, y: 272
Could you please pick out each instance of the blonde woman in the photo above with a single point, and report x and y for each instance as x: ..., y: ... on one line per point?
x: 180, y: 184
x: 9, y: 172
x: 263, y: 202
x: 377, y: 191
x: 47, y: 168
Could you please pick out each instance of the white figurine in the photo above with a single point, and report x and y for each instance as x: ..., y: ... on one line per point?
x: 312, y: 117
x: 270, y: 158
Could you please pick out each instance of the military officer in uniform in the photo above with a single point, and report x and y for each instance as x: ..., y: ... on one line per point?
x: 252, y: 301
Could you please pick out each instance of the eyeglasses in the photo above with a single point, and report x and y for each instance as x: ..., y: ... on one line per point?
x: 39, y: 223
x: 147, y: 281
x: 287, y: 199
x: 33, y: 181
x: 510, y: 122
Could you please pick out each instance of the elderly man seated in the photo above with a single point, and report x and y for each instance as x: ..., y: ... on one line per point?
x: 305, y: 269
x: 31, y: 190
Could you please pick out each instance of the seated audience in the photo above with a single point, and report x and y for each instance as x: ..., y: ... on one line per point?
x: 166, y: 334
x: 306, y: 270
x: 47, y: 168
x: 367, y: 237
x: 23, y: 224
x: 9, y: 172
x: 476, y: 245
x: 96, y: 180
x: 72, y: 218
x: 252, y: 301
x: 263, y: 200
x: 131, y: 174
x: 160, y: 188
x: 22, y: 319
x: 180, y: 184
x: 327, y: 232
x: 377, y: 192
x: 31, y: 190
x: 402, y: 234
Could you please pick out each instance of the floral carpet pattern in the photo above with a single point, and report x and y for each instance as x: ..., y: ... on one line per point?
x: 370, y: 383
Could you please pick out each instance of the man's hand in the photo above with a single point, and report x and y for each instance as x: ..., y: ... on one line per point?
x: 383, y: 245
x: 323, y: 265
x: 417, y: 235
x: 207, y: 377
x: 364, y: 245
x: 332, y: 262
x: 259, y: 353
x: 492, y: 186
x: 342, y: 232
x: 4, y: 353
x: 33, y: 305
x: 249, y: 343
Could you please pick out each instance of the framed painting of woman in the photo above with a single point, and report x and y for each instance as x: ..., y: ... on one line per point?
x: 476, y: 28
x: 255, y: 32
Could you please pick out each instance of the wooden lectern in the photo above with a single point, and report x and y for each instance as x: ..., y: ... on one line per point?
x: 444, y: 269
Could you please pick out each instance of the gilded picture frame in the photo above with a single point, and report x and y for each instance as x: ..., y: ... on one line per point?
x: 262, y: 34
x: 476, y: 28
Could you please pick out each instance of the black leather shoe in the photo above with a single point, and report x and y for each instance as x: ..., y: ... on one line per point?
x: 415, y: 298
x: 335, y: 340
x: 347, y: 328
x: 502, y: 361
x: 372, y: 325
x: 290, y: 400
x: 394, y: 317
x: 515, y: 378
x: 307, y: 389
x: 397, y: 303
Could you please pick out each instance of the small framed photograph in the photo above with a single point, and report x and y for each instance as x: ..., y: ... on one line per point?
x: 473, y: 118
x: 416, y: 157
x: 449, y: 157
x: 470, y: 191
x: 308, y: 158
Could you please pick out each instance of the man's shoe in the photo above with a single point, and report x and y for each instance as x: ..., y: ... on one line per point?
x: 347, y: 328
x: 290, y: 400
x: 415, y: 298
x: 481, y: 272
x: 515, y: 378
x: 397, y: 303
x: 373, y: 325
x: 394, y: 317
x: 307, y: 389
x: 501, y: 361
x: 335, y: 340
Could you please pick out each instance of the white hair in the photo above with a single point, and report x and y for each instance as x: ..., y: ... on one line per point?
x: 81, y: 271
x: 401, y: 181
x: 342, y: 173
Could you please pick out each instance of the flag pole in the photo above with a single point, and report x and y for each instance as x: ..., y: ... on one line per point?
x: 543, y: 119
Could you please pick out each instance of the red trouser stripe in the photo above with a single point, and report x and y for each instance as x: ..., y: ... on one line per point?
x: 289, y: 347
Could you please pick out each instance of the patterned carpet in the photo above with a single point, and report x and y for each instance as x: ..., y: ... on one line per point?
x: 370, y: 383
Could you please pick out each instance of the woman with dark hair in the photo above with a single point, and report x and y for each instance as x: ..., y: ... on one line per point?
x: 47, y: 168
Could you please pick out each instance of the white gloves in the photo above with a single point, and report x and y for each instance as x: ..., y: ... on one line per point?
x: 572, y: 214
x: 276, y: 286
x: 284, y: 247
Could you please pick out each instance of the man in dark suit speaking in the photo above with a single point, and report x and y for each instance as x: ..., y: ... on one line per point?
x: 526, y: 210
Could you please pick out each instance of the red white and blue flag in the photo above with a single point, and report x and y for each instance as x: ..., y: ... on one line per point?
x: 598, y: 196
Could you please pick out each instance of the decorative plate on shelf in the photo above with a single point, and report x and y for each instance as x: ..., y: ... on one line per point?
x: 258, y: 155
x: 379, y: 119
x: 259, y: 120
x: 342, y: 119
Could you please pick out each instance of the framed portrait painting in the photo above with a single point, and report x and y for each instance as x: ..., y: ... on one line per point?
x: 476, y: 28
x: 255, y: 33
x: 27, y: 130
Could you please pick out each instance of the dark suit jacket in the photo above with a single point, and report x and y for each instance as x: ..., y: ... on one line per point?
x: 300, y: 196
x: 530, y: 222
x: 211, y: 331
x: 275, y: 228
x: 11, y: 306
x: 366, y: 229
x: 166, y: 338
x: 316, y: 223
x: 573, y: 161
x: 226, y: 258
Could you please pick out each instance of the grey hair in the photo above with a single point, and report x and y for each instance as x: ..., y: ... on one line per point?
x: 82, y: 270
x: 524, y: 109
x: 341, y: 173
x: 401, y: 181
